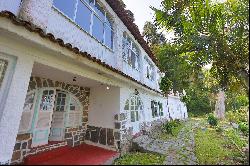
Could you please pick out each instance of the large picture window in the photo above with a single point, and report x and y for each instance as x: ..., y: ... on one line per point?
x: 90, y: 16
x: 130, y: 52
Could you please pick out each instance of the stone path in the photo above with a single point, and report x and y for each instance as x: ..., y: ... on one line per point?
x: 178, y: 151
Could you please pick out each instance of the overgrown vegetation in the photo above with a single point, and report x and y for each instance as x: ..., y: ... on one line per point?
x: 138, y: 158
x: 218, y: 146
x: 170, y: 129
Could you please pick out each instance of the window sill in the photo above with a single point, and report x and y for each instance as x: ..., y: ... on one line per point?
x: 70, y: 20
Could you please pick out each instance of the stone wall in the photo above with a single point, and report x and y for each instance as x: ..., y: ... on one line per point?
x: 103, y: 136
x: 73, y: 136
x: 22, y: 147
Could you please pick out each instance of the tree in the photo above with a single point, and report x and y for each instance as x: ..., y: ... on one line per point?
x: 151, y: 34
x: 209, y: 32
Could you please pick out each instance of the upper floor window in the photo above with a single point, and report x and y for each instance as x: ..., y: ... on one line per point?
x: 90, y: 16
x: 130, y: 52
x: 150, y: 69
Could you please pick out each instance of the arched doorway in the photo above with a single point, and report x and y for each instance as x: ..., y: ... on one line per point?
x: 135, y: 107
x: 47, y: 112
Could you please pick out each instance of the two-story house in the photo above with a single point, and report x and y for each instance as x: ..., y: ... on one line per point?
x: 73, y: 72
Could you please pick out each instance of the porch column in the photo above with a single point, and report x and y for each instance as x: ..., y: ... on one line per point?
x: 12, y: 110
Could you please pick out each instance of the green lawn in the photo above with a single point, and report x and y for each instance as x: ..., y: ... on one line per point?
x: 137, y: 158
x: 212, y: 147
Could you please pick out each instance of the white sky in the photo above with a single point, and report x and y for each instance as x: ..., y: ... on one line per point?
x: 141, y: 10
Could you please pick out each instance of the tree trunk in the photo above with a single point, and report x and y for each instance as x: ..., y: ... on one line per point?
x: 220, y: 105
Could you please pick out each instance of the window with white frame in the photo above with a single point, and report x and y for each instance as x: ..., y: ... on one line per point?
x: 160, y: 109
x: 61, y: 101
x: 157, y: 109
x: 130, y: 52
x: 7, y: 66
x: 134, y: 104
x: 149, y: 69
x: 154, y: 108
x: 3, y: 68
x: 90, y: 16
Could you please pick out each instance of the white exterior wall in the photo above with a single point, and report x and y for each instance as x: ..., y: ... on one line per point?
x: 13, y: 107
x: 104, y: 105
x: 175, y: 112
x: 10, y: 5
x: 42, y: 14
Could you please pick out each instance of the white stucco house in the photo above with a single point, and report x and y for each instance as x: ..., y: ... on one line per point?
x: 75, y: 72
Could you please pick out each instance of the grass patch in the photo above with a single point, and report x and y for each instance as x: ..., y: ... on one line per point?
x: 214, y: 148
x: 137, y: 158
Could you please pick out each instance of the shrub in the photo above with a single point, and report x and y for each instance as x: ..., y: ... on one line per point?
x: 170, y: 126
x: 237, y: 116
x: 244, y: 128
x: 212, y: 120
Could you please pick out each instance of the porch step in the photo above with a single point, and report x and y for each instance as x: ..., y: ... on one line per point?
x: 43, y: 156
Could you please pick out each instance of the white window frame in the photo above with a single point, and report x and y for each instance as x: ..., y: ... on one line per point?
x: 151, y: 68
x: 93, y: 12
x: 130, y: 49
x: 4, y: 89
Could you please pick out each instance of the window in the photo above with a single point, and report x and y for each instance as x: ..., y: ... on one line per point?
x: 47, y: 100
x: 90, y: 16
x: 3, y: 68
x: 60, y: 101
x: 134, y: 104
x: 154, y: 108
x: 7, y: 68
x: 130, y: 52
x: 160, y: 108
x: 150, y: 69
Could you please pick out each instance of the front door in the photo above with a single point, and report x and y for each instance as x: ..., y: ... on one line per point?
x: 136, y: 110
x: 42, y: 121
x: 58, y: 118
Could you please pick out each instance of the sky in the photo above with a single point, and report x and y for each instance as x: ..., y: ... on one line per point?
x: 141, y: 10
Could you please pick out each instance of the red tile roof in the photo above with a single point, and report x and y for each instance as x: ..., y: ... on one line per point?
x: 49, y: 36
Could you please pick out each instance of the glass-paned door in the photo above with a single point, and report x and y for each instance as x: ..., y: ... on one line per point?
x: 43, y: 118
x: 58, y: 118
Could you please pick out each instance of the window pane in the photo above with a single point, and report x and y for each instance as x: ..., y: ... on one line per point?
x: 47, y: 100
x: 3, y: 68
x: 137, y: 116
x: 108, y: 37
x: 132, y: 116
x: 127, y: 105
x: 97, y: 29
x: 83, y: 16
x: 100, y: 11
x: 66, y: 6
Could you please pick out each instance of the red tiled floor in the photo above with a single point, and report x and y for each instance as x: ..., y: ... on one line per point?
x: 81, y: 155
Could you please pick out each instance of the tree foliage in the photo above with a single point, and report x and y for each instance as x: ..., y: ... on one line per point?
x: 151, y: 34
x: 209, y: 32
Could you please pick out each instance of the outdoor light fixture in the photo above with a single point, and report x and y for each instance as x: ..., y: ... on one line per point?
x: 136, y: 92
